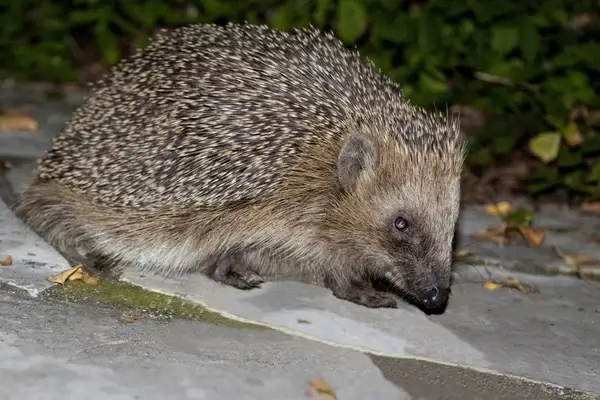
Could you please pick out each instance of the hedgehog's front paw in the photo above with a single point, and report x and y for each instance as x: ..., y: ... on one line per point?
x: 364, y: 294
x: 232, y: 271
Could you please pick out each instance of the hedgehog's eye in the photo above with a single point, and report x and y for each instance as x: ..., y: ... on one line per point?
x: 401, y: 224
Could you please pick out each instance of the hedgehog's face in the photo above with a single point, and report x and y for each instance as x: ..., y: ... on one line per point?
x: 404, y: 215
x: 412, y: 225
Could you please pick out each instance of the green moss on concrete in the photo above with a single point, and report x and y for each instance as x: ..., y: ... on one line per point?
x: 132, y: 299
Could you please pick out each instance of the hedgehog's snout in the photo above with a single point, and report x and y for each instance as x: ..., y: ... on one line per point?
x: 432, y: 291
x: 426, y: 284
x: 434, y: 296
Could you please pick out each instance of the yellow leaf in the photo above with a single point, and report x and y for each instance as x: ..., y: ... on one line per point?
x: 71, y: 274
x: 74, y: 274
x: 545, y: 146
x: 534, y: 237
x: 12, y: 120
x: 6, y: 261
x: 491, y: 285
x: 321, y: 390
x: 499, y: 209
x: 572, y: 135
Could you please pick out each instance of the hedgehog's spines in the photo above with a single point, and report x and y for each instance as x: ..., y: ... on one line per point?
x: 217, y: 114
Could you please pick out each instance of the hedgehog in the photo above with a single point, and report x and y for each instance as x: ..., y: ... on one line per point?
x: 251, y: 154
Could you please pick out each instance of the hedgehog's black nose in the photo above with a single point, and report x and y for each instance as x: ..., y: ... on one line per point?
x: 435, y: 297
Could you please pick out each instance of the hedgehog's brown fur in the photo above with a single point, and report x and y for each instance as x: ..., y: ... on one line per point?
x: 254, y: 154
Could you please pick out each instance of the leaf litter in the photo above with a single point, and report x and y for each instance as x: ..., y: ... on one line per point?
x: 319, y: 389
x: 14, y: 120
x: 576, y: 261
x: 6, y: 261
x: 511, y: 283
x: 499, y: 209
x: 517, y: 221
x: 76, y: 273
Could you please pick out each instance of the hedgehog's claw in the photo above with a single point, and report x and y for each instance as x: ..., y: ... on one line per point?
x: 252, y: 277
x: 363, y: 294
x: 233, y: 272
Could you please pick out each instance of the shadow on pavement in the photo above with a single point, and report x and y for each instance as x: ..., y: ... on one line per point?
x: 425, y: 380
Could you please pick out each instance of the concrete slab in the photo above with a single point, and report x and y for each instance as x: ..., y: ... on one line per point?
x: 74, y: 349
x: 60, y: 351
x: 501, y: 331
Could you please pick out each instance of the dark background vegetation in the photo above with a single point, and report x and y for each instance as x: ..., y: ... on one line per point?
x: 523, y: 75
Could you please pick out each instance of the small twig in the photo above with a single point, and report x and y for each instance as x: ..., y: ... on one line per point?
x: 498, y: 80
x: 487, y: 270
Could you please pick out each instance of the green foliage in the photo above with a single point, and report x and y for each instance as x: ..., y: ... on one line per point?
x: 529, y: 68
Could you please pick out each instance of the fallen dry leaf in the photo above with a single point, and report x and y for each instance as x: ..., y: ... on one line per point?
x: 498, y: 209
x: 511, y: 283
x: 514, y: 283
x: 68, y: 275
x: 6, y: 261
x: 320, y: 389
x: 74, y: 274
x: 491, y: 285
x: 576, y: 260
x: 591, y: 207
x: 534, y: 237
x: 127, y: 319
x: 12, y: 120
x: 495, y: 235
x: 579, y: 260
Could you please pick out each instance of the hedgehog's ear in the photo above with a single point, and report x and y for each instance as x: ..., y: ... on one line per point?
x: 358, y: 156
